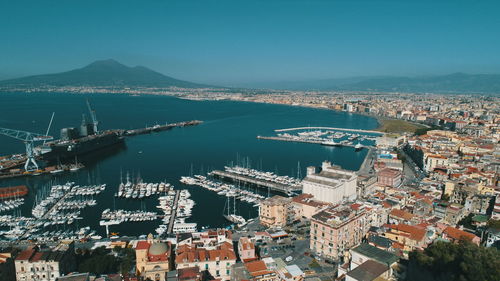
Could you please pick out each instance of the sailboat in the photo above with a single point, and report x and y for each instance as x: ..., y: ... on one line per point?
x: 77, y: 166
x: 239, y: 220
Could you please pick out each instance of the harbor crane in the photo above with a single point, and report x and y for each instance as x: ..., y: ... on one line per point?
x: 93, y: 116
x: 29, y: 139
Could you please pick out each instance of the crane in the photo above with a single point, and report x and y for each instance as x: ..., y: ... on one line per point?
x: 29, y: 139
x: 93, y: 116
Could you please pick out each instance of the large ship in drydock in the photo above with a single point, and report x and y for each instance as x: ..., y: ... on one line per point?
x: 82, y: 140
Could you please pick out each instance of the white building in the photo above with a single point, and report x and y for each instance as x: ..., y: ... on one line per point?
x: 332, y: 184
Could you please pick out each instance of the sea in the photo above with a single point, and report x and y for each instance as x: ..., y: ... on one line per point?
x: 227, y: 136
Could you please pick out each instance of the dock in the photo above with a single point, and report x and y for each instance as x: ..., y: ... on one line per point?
x: 291, y: 139
x: 286, y: 189
x: 159, y: 128
x: 331, y: 128
x: 174, y: 212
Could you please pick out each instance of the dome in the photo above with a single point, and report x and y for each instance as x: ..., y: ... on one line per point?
x: 158, y: 248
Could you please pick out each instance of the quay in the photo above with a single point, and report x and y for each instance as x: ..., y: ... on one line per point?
x: 290, y: 139
x: 331, y: 128
x: 174, y: 212
x: 366, y: 167
x: 287, y: 189
x: 159, y: 128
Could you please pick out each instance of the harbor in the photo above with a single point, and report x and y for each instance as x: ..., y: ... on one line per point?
x: 337, y: 137
x: 73, y: 142
x: 168, y: 155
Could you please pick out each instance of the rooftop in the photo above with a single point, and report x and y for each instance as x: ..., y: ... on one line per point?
x: 376, y: 254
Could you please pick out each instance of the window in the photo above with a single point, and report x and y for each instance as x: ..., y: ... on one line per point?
x: 227, y: 272
x: 206, y: 266
x: 217, y: 273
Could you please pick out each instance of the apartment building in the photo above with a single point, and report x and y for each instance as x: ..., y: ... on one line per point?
x: 337, y: 229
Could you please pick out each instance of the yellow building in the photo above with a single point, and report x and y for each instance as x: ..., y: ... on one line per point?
x: 276, y: 211
x: 153, y: 259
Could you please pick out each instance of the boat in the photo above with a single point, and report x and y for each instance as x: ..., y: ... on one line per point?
x: 330, y: 143
x: 358, y: 147
x: 232, y: 217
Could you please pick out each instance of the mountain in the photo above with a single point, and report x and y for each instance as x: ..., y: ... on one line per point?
x: 452, y: 83
x: 457, y: 83
x: 103, y: 73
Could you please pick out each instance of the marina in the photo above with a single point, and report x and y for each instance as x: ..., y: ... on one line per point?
x: 330, y: 137
x: 271, y: 181
x: 223, y: 189
x: 62, y: 205
x: 139, y: 189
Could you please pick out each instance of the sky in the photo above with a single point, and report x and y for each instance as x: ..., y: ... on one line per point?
x: 231, y: 42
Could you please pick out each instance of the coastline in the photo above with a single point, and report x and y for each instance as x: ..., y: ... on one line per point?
x: 384, y: 124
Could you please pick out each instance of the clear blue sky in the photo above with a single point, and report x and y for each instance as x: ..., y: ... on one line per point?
x: 236, y: 41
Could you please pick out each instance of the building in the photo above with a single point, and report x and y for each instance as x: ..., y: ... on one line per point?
x: 368, y: 271
x: 216, y: 261
x: 153, y: 259
x: 305, y: 206
x: 39, y: 264
x: 246, y: 249
x: 367, y: 262
x: 189, y: 274
x: 336, y: 230
x: 206, y: 239
x: 433, y: 161
x: 260, y: 272
x: 332, y: 184
x: 389, y: 177
x: 455, y: 235
x: 276, y: 211
x: 409, y: 237
x: 75, y: 277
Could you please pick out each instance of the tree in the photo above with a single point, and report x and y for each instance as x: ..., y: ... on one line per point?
x: 443, y: 261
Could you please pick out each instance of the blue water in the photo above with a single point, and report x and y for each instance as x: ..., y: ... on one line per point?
x: 227, y: 135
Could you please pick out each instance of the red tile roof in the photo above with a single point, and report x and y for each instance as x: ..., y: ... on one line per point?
x: 457, y: 234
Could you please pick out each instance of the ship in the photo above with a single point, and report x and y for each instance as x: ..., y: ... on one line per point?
x: 77, y: 141
x: 13, y: 192
x: 63, y: 148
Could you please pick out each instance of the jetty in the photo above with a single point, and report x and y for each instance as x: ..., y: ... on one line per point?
x: 330, y: 128
x: 302, y: 140
x: 159, y: 128
x: 283, y: 188
x: 174, y: 212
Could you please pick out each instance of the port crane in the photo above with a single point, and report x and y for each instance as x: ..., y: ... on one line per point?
x: 29, y: 139
x: 93, y: 116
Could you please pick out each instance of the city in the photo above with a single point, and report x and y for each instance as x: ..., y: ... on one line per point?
x: 266, y: 168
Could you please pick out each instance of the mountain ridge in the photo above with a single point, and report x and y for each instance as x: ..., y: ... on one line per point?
x: 107, y: 72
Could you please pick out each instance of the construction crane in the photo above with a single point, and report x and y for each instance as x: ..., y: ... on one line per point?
x: 29, y: 139
x: 93, y: 116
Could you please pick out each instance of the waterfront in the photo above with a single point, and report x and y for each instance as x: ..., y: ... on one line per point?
x: 227, y: 135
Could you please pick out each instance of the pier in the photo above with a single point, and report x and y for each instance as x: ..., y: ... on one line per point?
x: 174, y: 212
x: 331, y: 128
x: 291, y: 139
x: 287, y: 189
x: 159, y: 128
